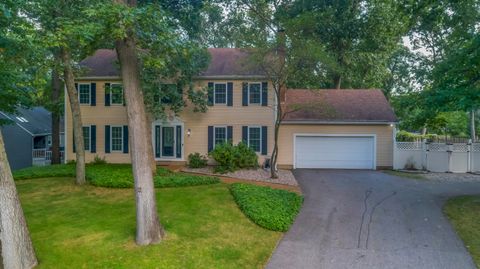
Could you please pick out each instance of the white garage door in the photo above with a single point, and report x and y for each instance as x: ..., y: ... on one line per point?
x: 341, y: 152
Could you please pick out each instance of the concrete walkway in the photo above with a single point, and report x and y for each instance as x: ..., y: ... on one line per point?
x: 368, y: 219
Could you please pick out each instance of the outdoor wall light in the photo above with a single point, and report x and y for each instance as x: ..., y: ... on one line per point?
x: 189, y: 132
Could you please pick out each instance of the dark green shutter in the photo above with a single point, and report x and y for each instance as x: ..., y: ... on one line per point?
x: 93, y: 138
x: 210, y: 138
x: 93, y: 94
x: 230, y: 134
x: 210, y: 93
x: 179, y: 141
x: 244, y: 94
x: 125, y: 139
x: 230, y: 94
x: 264, y: 140
x: 76, y: 87
x: 107, y: 94
x: 107, y: 138
x: 264, y: 93
x: 157, y: 141
x: 245, y: 134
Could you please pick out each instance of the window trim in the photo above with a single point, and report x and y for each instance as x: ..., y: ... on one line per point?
x: 111, y: 95
x: 89, y: 94
x: 89, y: 138
x: 111, y: 138
x: 260, y: 93
x: 248, y: 136
x: 214, y: 93
x: 215, y: 132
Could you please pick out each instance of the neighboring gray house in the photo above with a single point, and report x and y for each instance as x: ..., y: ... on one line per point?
x: 28, y: 137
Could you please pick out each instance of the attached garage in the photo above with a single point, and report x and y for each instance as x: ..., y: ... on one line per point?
x: 334, y: 151
x: 337, y: 129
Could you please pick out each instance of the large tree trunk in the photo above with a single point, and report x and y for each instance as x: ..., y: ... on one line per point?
x: 76, y: 117
x: 472, y: 125
x: 278, y: 121
x: 149, y: 230
x: 55, y: 96
x: 16, y: 245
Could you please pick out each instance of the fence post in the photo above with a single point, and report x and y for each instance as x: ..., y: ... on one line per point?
x: 449, y: 152
x: 469, y: 156
x: 424, y: 155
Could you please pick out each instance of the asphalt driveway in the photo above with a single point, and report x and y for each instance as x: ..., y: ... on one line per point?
x: 368, y: 219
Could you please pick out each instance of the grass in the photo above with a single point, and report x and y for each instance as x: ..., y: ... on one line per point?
x: 115, y: 175
x: 89, y: 227
x: 405, y: 174
x: 464, y: 214
x: 270, y: 208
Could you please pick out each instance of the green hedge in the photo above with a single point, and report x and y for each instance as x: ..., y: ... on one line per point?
x: 269, y: 208
x: 115, y: 175
x: 404, y: 136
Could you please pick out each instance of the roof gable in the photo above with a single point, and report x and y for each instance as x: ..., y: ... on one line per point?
x: 225, y: 62
x: 338, y: 106
x: 36, y: 120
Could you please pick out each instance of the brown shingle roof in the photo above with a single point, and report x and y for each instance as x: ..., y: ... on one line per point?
x: 225, y: 62
x: 337, y: 106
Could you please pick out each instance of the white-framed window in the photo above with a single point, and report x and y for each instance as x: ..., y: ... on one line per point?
x: 84, y: 93
x: 116, y: 94
x: 170, y: 89
x: 254, y: 93
x: 49, y: 140
x: 116, y: 143
x: 219, y: 135
x: 86, y: 137
x: 220, y: 93
x: 255, y: 138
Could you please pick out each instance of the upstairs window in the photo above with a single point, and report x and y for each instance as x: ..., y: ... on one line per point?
x: 84, y: 93
x: 254, y: 93
x: 220, y: 93
x: 116, y: 94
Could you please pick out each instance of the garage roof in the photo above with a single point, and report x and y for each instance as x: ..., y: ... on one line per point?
x: 36, y: 120
x: 337, y: 106
x: 225, y: 62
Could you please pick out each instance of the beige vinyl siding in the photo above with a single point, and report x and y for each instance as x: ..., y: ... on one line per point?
x: 384, y: 139
x: 217, y: 115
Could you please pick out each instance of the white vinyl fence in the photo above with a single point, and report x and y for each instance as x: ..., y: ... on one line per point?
x: 437, y: 157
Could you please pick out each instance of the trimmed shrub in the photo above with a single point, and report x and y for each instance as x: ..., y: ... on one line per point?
x: 404, y: 136
x: 224, y: 155
x: 98, y: 160
x: 245, y: 157
x: 230, y: 158
x: 196, y: 160
x: 269, y: 208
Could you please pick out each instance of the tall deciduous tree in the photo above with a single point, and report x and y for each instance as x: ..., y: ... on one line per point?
x: 15, y: 56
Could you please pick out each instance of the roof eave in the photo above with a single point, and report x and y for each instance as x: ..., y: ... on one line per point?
x: 319, y: 122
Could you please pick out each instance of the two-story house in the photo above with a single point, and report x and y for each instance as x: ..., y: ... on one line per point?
x: 328, y: 128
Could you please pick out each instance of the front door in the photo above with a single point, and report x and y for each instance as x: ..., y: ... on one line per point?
x: 168, y: 141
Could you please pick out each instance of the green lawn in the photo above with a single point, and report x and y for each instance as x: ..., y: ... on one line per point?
x: 92, y: 227
x: 417, y: 176
x: 115, y: 175
x: 464, y: 214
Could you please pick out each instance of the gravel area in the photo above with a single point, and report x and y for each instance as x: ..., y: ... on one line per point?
x: 452, y: 177
x: 285, y: 177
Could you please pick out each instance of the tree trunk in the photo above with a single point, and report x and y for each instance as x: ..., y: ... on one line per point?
x: 278, y: 121
x: 76, y: 117
x: 472, y: 125
x: 56, y: 90
x: 16, y: 245
x: 149, y: 230
x: 424, y: 130
x: 337, y: 81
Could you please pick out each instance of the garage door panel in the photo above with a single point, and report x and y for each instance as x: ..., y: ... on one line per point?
x: 334, y: 152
